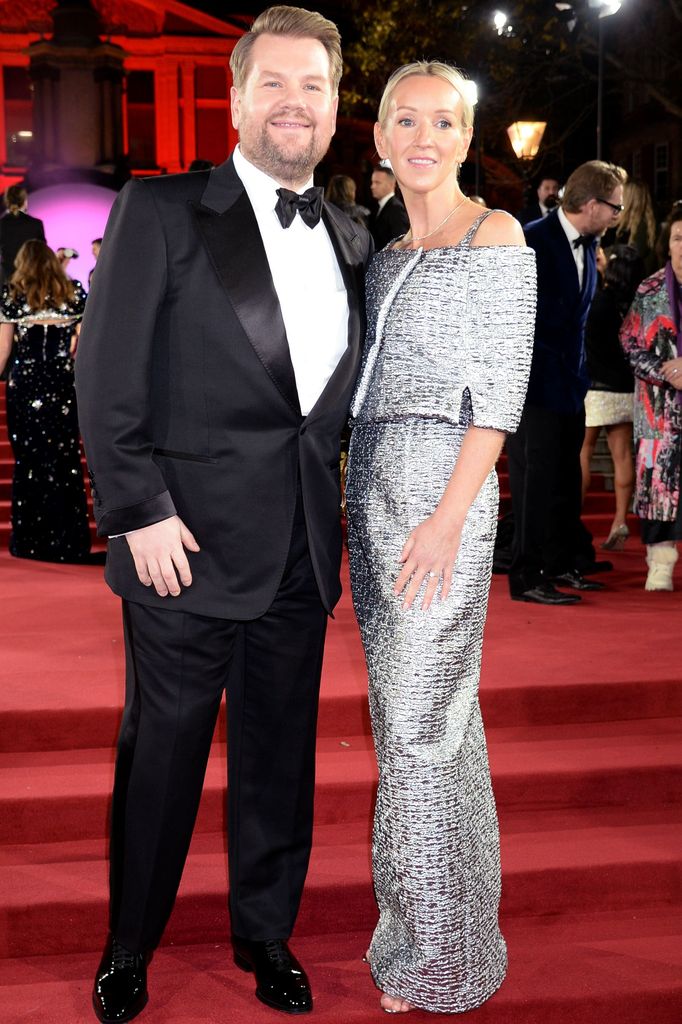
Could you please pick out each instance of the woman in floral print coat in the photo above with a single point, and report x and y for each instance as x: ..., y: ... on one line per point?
x: 652, y: 338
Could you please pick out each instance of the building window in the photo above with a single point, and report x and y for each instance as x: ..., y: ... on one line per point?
x: 141, y: 119
x: 661, y: 172
x: 18, y: 115
x: 212, y: 112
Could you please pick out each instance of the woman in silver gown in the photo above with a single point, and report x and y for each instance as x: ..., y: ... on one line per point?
x: 450, y: 325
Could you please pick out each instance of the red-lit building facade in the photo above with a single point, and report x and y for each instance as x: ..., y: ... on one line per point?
x: 172, y: 96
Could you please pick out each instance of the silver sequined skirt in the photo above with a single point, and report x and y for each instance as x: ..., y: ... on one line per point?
x: 607, y: 408
x: 435, y: 852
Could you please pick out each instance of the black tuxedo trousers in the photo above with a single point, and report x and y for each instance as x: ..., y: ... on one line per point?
x: 178, y: 665
x: 544, y: 475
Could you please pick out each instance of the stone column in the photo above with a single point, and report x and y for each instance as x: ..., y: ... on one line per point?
x: 189, y: 120
x: 167, y: 116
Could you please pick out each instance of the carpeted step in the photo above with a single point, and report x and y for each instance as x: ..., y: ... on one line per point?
x: 582, y: 864
x: 612, y: 967
x: 61, y: 676
x: 53, y: 795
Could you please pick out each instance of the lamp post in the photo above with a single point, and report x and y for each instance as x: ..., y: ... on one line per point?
x: 605, y: 9
x: 525, y: 137
x: 472, y: 95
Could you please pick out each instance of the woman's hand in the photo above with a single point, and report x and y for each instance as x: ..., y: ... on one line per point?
x: 74, y: 340
x: 429, y: 554
x: 672, y: 373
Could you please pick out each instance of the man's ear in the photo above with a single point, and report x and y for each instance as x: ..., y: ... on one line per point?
x: 234, y: 107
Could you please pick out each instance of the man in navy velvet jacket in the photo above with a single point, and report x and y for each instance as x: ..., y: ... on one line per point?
x: 544, y: 455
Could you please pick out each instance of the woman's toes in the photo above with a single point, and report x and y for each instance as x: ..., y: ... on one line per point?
x: 394, y: 1004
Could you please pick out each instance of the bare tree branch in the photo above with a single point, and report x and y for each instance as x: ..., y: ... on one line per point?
x: 676, y: 8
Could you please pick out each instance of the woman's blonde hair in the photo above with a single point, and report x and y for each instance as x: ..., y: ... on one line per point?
x: 38, y: 278
x: 436, y: 69
x: 637, y: 209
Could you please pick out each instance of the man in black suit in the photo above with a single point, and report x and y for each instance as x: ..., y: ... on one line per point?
x: 389, y: 220
x: 217, y: 358
x: 16, y: 227
x: 548, y: 197
x: 544, y: 454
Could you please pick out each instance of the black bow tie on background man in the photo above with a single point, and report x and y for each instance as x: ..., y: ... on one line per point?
x: 584, y: 240
x: 309, y: 205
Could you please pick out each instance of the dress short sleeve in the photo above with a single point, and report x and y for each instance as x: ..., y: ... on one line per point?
x: 501, y: 301
x: 9, y: 309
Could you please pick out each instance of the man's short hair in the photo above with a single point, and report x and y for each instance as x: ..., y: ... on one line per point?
x: 592, y: 180
x: 289, y: 21
x: 384, y: 170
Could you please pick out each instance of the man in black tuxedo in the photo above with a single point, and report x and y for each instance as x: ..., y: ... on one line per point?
x: 16, y: 227
x: 547, y: 199
x: 389, y: 220
x: 217, y: 358
x: 544, y: 454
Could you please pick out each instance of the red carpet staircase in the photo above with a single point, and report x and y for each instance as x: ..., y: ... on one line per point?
x: 584, y: 714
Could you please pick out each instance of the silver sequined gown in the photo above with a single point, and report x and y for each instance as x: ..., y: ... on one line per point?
x: 449, y: 343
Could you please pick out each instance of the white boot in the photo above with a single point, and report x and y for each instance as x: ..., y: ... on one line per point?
x: 661, y: 560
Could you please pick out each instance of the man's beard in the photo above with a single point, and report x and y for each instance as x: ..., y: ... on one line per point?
x: 294, y: 167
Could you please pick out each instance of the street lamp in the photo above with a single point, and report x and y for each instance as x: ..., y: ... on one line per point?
x: 606, y: 8
x: 499, y: 21
x: 525, y: 137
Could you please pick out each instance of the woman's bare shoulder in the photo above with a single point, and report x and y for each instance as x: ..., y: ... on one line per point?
x: 499, y: 228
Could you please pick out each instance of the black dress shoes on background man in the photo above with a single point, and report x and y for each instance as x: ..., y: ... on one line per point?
x: 576, y: 581
x: 120, y: 991
x: 281, y: 982
x: 544, y: 593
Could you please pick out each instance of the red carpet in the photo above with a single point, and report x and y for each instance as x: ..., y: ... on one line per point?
x: 584, y: 714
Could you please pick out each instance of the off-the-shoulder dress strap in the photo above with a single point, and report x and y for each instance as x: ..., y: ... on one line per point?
x: 469, y: 237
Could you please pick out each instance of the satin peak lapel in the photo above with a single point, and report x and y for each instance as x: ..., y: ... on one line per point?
x: 237, y: 253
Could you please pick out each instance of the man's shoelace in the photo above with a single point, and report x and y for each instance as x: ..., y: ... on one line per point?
x: 122, y: 957
x: 278, y: 953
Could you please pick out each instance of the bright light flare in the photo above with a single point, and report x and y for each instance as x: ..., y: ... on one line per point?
x: 500, y: 19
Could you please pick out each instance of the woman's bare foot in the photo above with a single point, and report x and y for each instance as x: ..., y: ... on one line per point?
x: 394, y: 1004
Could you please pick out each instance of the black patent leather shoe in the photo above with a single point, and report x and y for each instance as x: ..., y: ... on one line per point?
x: 576, y: 581
x: 544, y: 593
x: 281, y: 982
x: 120, y: 991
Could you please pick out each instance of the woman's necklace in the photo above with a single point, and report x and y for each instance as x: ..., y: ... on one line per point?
x: 420, y: 238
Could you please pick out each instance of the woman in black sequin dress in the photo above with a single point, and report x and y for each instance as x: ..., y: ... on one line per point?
x: 49, y: 510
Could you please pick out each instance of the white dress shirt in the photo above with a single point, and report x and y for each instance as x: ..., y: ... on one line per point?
x: 308, y: 282
x: 578, y: 251
x: 383, y: 201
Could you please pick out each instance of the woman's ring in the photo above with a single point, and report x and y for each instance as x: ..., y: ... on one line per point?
x: 432, y: 574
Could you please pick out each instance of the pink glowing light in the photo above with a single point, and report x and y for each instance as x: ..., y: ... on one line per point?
x: 73, y: 215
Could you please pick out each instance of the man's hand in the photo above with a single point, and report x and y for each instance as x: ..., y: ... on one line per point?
x: 159, y: 552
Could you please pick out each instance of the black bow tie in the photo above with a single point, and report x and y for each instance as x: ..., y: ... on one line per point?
x: 309, y: 205
x: 584, y: 240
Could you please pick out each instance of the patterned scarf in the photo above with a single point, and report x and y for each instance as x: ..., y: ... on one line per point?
x: 674, y: 290
x: 675, y: 300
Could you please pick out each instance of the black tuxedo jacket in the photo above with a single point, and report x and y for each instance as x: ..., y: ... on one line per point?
x: 187, y: 396
x: 558, y: 379
x: 388, y: 223
x: 14, y: 231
